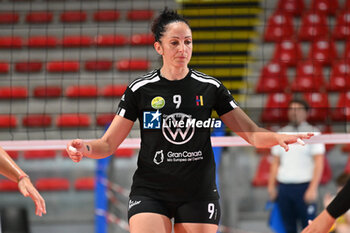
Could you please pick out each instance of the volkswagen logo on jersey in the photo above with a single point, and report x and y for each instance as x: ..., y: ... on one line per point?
x: 151, y: 120
x: 176, y: 128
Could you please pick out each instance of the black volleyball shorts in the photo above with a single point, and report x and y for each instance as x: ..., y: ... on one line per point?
x: 182, y: 212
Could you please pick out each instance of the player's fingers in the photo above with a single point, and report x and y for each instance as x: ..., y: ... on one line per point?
x: 285, y: 146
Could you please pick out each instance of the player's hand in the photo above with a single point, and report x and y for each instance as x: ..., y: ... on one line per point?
x: 310, y: 195
x: 285, y: 139
x: 26, y: 187
x: 76, y: 149
x: 272, y: 193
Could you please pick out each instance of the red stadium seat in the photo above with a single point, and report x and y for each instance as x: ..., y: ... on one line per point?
x: 279, y: 27
x: 73, y: 16
x: 73, y: 120
x: 8, y: 186
x: 84, y: 184
x: 39, y: 154
x: 4, y: 67
x: 104, y: 119
x: 313, y: 26
x: 13, y: 154
x: 8, y: 121
x: 347, y: 166
x: 36, y: 120
x: 114, y: 90
x: 39, y: 17
x: 10, y: 42
x: 9, y: 17
x: 273, y: 78
x: 63, y: 66
x: 276, y: 108
x: 81, y: 91
x: 319, y: 106
x: 262, y: 172
x: 42, y: 42
x: 293, y: 7
x: 106, y: 15
x: 327, y: 171
x: 13, y: 92
x: 328, y: 7
x: 340, y: 76
x: 76, y: 41
x: 342, y: 110
x: 308, y: 78
x: 124, y: 153
x: 28, y: 66
x: 139, y: 15
x: 133, y: 64
x: 323, y: 51
x: 326, y: 129
x: 287, y: 52
x: 341, y: 29
x: 142, y: 39
x: 98, y: 65
x: 347, y: 51
x: 346, y: 149
x: 47, y: 91
x: 52, y: 184
x: 111, y: 40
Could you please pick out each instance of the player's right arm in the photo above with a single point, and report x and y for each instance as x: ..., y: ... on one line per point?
x: 104, y: 146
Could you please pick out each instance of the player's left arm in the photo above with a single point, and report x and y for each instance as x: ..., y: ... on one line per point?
x: 259, y: 137
x: 311, y: 192
x: 11, y: 170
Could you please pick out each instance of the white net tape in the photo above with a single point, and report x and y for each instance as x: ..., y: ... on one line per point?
x: 226, y: 141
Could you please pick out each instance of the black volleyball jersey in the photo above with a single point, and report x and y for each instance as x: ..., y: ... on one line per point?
x: 176, y: 161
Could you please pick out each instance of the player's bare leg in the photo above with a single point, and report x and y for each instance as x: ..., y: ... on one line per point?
x: 195, y: 228
x: 150, y: 223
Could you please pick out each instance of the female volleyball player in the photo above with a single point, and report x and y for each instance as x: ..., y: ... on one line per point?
x: 175, y: 177
x: 11, y: 170
x: 339, y: 205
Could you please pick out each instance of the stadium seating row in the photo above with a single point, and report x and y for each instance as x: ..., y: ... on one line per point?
x: 308, y: 78
x: 52, y: 184
x: 43, y: 17
x: 322, y: 51
x: 313, y: 25
x: 71, y: 41
x: 75, y: 91
x: 297, y: 7
x: 276, y: 108
x: 74, y: 66
x: 51, y: 154
x: 65, y: 120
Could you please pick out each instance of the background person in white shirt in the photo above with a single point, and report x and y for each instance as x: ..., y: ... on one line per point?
x: 295, y: 175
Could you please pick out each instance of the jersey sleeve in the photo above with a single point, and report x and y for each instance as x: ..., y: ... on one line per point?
x: 341, y: 203
x: 128, y: 105
x: 225, y: 102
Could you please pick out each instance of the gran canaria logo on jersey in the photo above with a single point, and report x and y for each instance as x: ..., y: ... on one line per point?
x: 158, y: 102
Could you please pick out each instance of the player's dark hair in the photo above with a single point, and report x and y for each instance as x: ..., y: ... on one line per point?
x: 166, y: 16
x: 301, y: 102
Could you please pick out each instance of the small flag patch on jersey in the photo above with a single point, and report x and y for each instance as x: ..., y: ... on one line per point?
x: 199, y: 100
